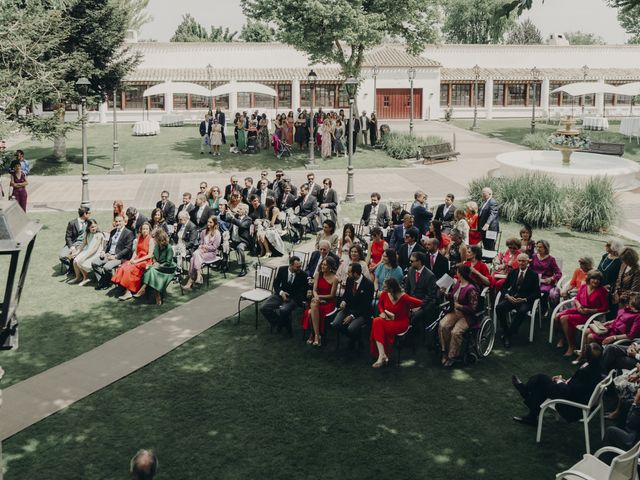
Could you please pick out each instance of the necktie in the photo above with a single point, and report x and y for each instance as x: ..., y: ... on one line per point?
x: 290, y: 278
x: 354, y: 288
x: 433, y: 260
x: 520, y: 279
x: 417, y: 276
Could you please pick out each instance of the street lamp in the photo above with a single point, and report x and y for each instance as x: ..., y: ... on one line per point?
x: 312, y: 78
x: 82, y: 86
x: 412, y: 76
x: 209, y: 69
x: 585, y: 72
x: 476, y: 74
x: 535, y: 74
x: 351, y: 85
x: 115, y: 166
x: 375, y: 72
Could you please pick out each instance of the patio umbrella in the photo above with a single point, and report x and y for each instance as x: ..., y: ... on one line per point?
x: 245, y: 87
x: 169, y: 88
x: 586, y: 88
x: 630, y: 89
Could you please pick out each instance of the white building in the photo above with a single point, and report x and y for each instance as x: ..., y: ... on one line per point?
x: 444, y: 76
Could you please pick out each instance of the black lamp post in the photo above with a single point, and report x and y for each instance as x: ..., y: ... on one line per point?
x: 351, y: 85
x: 115, y: 166
x: 312, y: 78
x: 375, y: 71
x: 83, y: 85
x: 476, y: 74
x: 412, y: 76
x: 535, y: 74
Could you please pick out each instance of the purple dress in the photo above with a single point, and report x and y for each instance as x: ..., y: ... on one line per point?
x: 20, y: 193
x: 206, y: 252
x: 548, y: 268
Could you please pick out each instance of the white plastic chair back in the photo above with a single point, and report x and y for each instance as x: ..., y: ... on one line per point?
x: 598, y: 392
x: 624, y: 466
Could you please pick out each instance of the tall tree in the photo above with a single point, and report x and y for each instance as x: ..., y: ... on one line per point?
x: 137, y: 10
x: 583, y: 38
x: 630, y: 20
x: 219, y: 35
x: 190, y: 30
x: 474, y: 22
x: 257, y: 32
x: 525, y: 33
x: 521, y: 5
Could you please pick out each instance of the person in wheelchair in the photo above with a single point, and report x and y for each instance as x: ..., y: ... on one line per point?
x: 462, y: 307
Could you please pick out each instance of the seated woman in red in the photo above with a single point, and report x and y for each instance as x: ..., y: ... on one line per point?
x: 505, y: 262
x: 323, y: 300
x: 578, y: 278
x: 129, y: 274
x: 435, y: 231
x: 480, y: 275
x: 376, y: 248
x: 592, y: 298
x: 626, y: 325
x: 395, y: 307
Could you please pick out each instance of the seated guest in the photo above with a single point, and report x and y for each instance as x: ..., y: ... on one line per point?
x: 592, y: 298
x: 323, y: 251
x: 457, y: 250
x: 186, y: 204
x: 144, y: 465
x: 213, y: 199
x: 264, y: 191
x: 222, y: 224
x: 421, y: 215
x: 377, y: 246
x: 628, y: 281
x: 610, y: 262
x: 129, y: 274
x: 547, y: 269
x: 625, y: 437
x: 328, y: 200
x: 347, y: 241
x: 233, y: 187
x: 395, y: 308
x: 399, y: 232
x: 162, y: 270
x: 479, y: 271
x: 375, y: 214
x: 445, y: 212
x: 203, y: 187
x: 436, y: 262
x: 463, y: 304
x: 627, y: 385
x: 287, y: 200
x: 210, y: 239
x: 460, y: 223
x: 585, y: 264
x: 387, y: 268
x: 289, y: 292
x: 435, y: 231
x: 410, y: 245
x: 118, y: 249
x: 241, y: 239
x: 314, y: 188
x: 248, y: 191
x: 257, y: 211
x: 519, y: 291
x: 73, y: 237
x: 185, y: 237
x: 356, y: 255
x: 397, y: 214
x: 323, y: 301
x: 420, y: 283
x: 269, y: 232
x: 328, y: 233
x: 87, y: 252
x: 135, y: 220
x: 168, y: 208
x: 118, y: 211
x: 307, y: 206
x: 234, y: 202
x: 355, y: 304
x: 527, y: 244
x: 201, y: 212
x: 158, y: 221
x: 620, y: 357
x: 471, y: 214
x: 577, y: 389
x: 504, y: 262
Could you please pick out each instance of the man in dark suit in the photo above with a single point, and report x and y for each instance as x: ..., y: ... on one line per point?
x: 257, y: 211
x: 168, y: 208
x: 201, y: 212
x: 436, y: 262
x: 409, y: 246
x: 205, y: 130
x: 314, y: 188
x: 233, y: 187
x: 375, y: 214
x: 248, y: 190
x: 488, y: 220
x: 519, y: 291
x: 324, y: 251
x: 186, y: 230
x: 74, y: 236
x: 307, y: 205
x: 289, y: 291
x: 397, y: 214
x: 355, y: 305
x: 264, y: 191
x: 576, y: 389
x: 397, y: 237
x: 420, y: 211
x: 186, y: 203
x: 241, y: 239
x: 420, y: 283
x: 446, y: 211
x: 220, y: 117
x: 118, y: 249
x: 356, y: 131
x: 328, y: 201
x: 287, y: 199
x: 135, y: 220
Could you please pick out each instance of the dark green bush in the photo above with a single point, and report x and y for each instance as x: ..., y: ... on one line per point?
x: 594, y: 206
x: 403, y: 145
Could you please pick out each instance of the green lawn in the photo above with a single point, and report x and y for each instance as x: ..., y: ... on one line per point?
x: 514, y: 129
x: 175, y: 149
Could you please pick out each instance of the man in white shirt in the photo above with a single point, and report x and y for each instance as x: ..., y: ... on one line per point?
x: 118, y: 249
x: 375, y: 214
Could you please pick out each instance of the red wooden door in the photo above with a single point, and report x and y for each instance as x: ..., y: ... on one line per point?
x: 395, y: 103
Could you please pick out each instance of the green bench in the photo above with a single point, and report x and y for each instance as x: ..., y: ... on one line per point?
x: 440, y: 152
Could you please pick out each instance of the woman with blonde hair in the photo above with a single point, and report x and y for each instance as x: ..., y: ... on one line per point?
x: 471, y: 214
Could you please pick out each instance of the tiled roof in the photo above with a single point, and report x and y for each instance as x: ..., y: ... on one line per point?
x: 226, y: 74
x: 395, y: 56
x: 452, y: 74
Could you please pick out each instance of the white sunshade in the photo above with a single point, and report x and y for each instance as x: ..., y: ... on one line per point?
x: 631, y: 89
x: 169, y: 88
x: 586, y: 88
x: 245, y: 87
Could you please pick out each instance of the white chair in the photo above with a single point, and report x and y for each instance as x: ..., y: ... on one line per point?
x: 564, y: 305
x: 590, y: 410
x: 623, y: 467
x: 533, y: 313
x: 262, y: 289
x: 585, y: 327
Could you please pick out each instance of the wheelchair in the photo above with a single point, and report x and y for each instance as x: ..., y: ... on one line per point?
x: 478, y: 339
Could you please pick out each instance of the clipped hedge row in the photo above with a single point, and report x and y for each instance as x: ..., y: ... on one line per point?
x: 403, y: 145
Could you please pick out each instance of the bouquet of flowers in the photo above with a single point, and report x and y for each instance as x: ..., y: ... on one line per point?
x: 577, y: 142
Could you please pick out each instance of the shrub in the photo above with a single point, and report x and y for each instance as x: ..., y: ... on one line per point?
x: 536, y: 141
x: 594, y: 206
x: 494, y: 183
x: 403, y: 145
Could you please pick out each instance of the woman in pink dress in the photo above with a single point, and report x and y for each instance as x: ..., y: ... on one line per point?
x: 129, y: 274
x: 288, y: 129
x: 323, y: 300
x: 19, y: 184
x: 395, y: 307
x: 505, y: 262
x: 210, y: 239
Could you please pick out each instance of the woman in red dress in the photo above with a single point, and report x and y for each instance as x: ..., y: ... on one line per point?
x: 480, y: 275
x: 504, y: 262
x: 19, y: 184
x: 394, y: 306
x: 472, y: 219
x: 323, y: 300
x: 129, y: 274
x: 376, y: 248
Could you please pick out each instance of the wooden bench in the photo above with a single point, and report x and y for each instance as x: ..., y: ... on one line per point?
x: 440, y: 152
x: 606, y: 148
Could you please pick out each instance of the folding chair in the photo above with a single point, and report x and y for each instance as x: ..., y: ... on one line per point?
x: 263, y: 285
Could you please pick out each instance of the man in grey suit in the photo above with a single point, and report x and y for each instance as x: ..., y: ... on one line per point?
x: 118, y: 249
x: 73, y: 236
x: 488, y: 219
x: 307, y: 208
x: 328, y: 200
x: 375, y: 214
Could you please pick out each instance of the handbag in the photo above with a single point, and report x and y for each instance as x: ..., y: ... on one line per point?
x: 598, y: 328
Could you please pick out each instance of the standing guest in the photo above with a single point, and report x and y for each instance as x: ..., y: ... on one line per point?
x: 387, y: 268
x: 504, y: 262
x: 479, y: 271
x: 610, y: 262
x: 207, y: 251
x: 129, y: 274
x: 338, y: 138
x: 221, y: 119
x: 186, y: 205
x: 399, y: 232
x: 364, y: 128
x: 241, y: 239
x: 356, y: 130
x: 460, y: 223
x: 87, y: 252
x: 248, y: 190
x: 436, y: 261
x: 213, y: 199
x: 233, y: 187
x: 162, y: 271
x: 328, y: 233
x: 118, y: 249
x: 302, y: 132
x: 168, y: 208
x: 157, y: 221
x: 216, y: 137
x: 323, y: 301
x: 118, y: 211
x: 185, y: 237
x: 457, y: 250
x: 397, y: 214
x: 579, y: 277
x: 488, y: 219
x: 201, y: 212
x: 144, y: 465
x: 591, y: 299
x: 446, y: 211
x: 394, y: 306
x: 420, y: 211
x: 547, y: 268
x: 288, y: 128
x: 19, y: 184
x: 375, y: 214
x: 328, y: 201
x: 135, y: 220
x: 372, y: 126
x: 471, y: 213
x: 326, y: 132
x: 409, y: 246
x: 528, y: 245
x: 289, y: 290
x: 23, y: 163
x: 463, y: 304
x: 204, y: 135
x: 628, y: 281
x: 73, y: 237
x: 263, y: 132
x: 241, y: 134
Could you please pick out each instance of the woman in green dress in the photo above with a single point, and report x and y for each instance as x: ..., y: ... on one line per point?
x: 162, y: 271
x: 242, y: 138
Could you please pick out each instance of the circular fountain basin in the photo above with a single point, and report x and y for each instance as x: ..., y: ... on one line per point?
x: 583, y: 166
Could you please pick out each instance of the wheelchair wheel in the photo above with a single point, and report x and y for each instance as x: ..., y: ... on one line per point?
x: 470, y: 358
x: 486, y: 337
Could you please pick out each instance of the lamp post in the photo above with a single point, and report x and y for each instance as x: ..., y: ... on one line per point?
x: 312, y: 78
x: 535, y: 74
x: 115, y: 166
x: 209, y: 68
x: 351, y: 85
x: 375, y: 72
x: 83, y: 85
x: 585, y: 72
x: 412, y: 76
x: 476, y: 74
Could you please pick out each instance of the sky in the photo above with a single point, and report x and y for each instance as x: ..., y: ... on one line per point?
x: 551, y: 16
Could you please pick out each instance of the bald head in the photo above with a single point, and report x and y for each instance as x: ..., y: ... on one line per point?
x: 144, y: 465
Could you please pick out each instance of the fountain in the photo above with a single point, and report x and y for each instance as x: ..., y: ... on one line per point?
x: 568, y: 140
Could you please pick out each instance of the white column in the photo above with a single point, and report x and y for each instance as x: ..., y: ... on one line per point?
x: 600, y: 99
x: 295, y: 95
x: 102, y: 112
x: 488, y: 98
x: 233, y: 104
x: 544, y: 97
x: 168, y: 102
